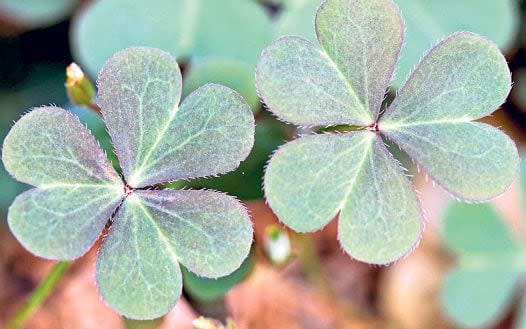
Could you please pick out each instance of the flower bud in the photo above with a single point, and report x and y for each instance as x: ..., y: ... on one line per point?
x: 277, y: 245
x: 80, y: 89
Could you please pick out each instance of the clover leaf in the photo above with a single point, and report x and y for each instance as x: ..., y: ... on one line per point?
x: 343, y: 82
x: 156, y: 140
x: 490, y: 263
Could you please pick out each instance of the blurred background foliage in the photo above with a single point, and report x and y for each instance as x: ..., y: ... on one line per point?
x: 220, y: 41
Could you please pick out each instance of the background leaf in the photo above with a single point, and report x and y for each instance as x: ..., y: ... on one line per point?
x: 36, y: 13
x: 209, y: 290
x: 170, y: 26
x: 297, y: 18
x: 476, y: 298
x: 477, y: 291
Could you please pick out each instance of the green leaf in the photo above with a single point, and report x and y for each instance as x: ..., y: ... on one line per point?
x: 36, y: 13
x: 462, y: 79
x: 208, y: 232
x: 300, y: 84
x: 430, y: 21
x: 184, y: 28
x: 490, y: 263
x: 381, y: 220
x: 296, y: 18
x: 165, y: 24
x: 477, y: 298
x: 227, y: 72
x: 62, y: 222
x: 138, y: 272
x: 211, y: 132
x: 77, y: 188
x: 490, y: 236
x: 61, y: 152
x: 235, y: 29
x: 309, y: 181
x: 364, y: 46
x: 209, y: 290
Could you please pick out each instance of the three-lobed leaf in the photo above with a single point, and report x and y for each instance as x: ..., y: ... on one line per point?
x: 343, y: 82
x: 156, y: 141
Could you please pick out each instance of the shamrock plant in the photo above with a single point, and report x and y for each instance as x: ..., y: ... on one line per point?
x: 343, y: 81
x: 491, y: 263
x: 156, y: 140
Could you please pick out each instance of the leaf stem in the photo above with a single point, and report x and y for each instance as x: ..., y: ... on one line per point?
x: 94, y: 107
x: 311, y: 263
x: 38, y: 296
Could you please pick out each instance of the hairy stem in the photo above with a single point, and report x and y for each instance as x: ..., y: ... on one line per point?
x: 39, y: 295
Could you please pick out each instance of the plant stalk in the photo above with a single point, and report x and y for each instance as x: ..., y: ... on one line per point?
x: 39, y: 295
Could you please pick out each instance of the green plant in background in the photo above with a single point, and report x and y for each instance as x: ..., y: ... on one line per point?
x: 426, y: 22
x: 222, y: 39
x: 491, y: 263
x: 36, y: 13
x: 153, y: 231
x: 316, y: 177
x: 209, y: 290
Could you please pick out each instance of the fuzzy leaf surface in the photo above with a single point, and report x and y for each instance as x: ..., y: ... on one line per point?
x: 158, y: 141
x: 77, y: 188
x: 60, y: 152
x: 476, y: 292
x: 363, y: 38
x: 381, y: 220
x: 462, y: 79
x: 301, y: 85
x: 310, y: 180
x: 208, y: 232
x: 62, y: 222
